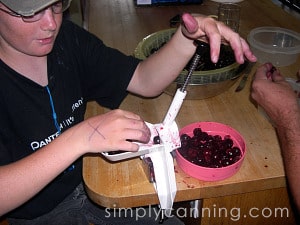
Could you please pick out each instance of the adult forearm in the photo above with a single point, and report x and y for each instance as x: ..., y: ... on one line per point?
x: 289, y: 136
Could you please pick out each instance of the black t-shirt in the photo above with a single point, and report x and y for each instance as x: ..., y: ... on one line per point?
x: 80, y: 69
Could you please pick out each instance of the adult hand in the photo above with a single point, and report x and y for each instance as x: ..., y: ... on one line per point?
x: 274, y: 94
x: 215, y: 32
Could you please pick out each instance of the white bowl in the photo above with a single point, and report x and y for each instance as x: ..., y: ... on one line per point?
x: 277, y: 45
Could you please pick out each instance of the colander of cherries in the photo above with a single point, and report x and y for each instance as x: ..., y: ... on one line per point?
x: 210, y: 151
x: 208, y: 80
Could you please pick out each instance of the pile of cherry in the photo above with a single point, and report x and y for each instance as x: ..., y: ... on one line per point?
x: 208, y: 150
x: 226, y: 58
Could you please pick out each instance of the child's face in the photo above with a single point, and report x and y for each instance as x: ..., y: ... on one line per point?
x: 35, y: 38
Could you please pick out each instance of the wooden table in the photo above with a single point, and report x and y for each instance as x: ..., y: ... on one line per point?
x: 261, y: 178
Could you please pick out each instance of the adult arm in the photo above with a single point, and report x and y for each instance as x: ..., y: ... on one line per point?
x: 275, y: 95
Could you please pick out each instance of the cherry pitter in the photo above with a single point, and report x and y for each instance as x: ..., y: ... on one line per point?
x: 156, y: 154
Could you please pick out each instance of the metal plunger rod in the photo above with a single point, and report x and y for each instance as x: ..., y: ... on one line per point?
x: 202, y: 48
x: 191, y: 70
x: 180, y: 94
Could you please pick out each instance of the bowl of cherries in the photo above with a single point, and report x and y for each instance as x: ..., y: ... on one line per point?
x: 208, y: 79
x: 210, y: 151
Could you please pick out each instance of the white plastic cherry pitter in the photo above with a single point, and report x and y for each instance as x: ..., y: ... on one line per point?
x: 160, y: 154
x: 163, y: 164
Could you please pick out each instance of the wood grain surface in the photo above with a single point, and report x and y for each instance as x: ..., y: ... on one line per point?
x: 121, y: 24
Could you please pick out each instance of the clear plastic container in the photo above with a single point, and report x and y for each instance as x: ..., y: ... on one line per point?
x: 277, y: 45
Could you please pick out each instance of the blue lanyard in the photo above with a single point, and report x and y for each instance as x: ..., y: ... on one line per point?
x: 54, y: 116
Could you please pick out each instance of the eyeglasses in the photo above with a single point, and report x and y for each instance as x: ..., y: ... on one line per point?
x: 57, y: 8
